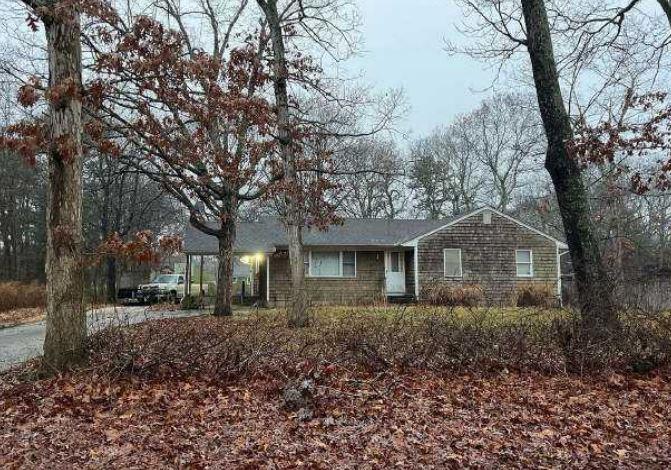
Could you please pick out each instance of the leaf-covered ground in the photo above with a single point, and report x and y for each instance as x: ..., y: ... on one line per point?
x: 206, y: 393
x: 360, y: 421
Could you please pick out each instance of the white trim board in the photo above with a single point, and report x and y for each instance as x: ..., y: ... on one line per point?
x: 414, y: 241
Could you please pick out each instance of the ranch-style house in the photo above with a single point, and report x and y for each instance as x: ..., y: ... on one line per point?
x: 369, y: 260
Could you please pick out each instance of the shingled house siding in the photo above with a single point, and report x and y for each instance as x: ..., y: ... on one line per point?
x: 488, y: 256
x: 410, y: 272
x: 367, y: 287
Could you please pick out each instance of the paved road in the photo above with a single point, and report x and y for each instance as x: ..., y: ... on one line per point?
x: 20, y: 343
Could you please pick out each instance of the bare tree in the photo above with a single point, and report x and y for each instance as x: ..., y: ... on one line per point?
x: 526, y: 26
x: 121, y: 200
x: 593, y: 284
x: 371, y: 173
x: 444, y: 176
x: 505, y: 135
x: 298, y: 310
x: 305, y: 26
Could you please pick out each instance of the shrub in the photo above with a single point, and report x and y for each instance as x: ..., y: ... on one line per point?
x: 192, y: 302
x: 535, y: 294
x: 441, y: 294
x: 379, y: 340
x: 14, y: 295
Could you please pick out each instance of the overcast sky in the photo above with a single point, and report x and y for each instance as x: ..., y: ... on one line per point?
x: 404, y: 47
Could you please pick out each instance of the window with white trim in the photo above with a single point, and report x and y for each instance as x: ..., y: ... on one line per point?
x: 331, y: 264
x: 348, y: 264
x: 452, y: 262
x: 524, y: 263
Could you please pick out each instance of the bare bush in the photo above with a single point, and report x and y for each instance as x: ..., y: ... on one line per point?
x: 441, y: 294
x: 533, y: 294
x: 379, y: 340
x: 15, y: 295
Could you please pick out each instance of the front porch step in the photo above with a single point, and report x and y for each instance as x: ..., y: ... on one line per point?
x: 401, y: 299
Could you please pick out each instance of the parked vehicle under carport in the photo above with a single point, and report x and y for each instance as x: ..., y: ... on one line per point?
x: 163, y: 288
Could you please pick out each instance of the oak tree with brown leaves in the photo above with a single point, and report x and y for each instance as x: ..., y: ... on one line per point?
x: 59, y: 135
x: 201, y: 119
x: 198, y: 119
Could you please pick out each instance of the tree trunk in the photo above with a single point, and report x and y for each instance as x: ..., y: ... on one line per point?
x: 110, y: 274
x: 298, y: 314
x: 592, y: 282
x: 64, y: 344
x: 666, y: 6
x: 223, y: 302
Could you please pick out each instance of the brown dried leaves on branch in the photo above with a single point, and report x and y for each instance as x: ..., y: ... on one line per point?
x: 636, y: 140
x: 144, y: 247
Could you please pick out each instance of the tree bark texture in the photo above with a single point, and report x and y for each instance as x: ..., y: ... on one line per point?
x: 666, y: 6
x: 64, y: 344
x: 298, y: 313
x: 110, y: 279
x: 224, y: 298
x: 592, y: 282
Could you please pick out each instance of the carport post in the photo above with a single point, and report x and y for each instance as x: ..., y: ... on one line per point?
x: 187, y: 288
x: 201, y: 276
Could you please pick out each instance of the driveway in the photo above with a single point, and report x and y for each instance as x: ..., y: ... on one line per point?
x: 20, y: 343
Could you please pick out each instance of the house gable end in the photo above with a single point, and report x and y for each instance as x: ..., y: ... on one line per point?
x: 414, y: 241
x: 487, y: 250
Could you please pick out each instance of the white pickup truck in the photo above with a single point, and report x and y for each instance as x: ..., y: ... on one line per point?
x: 164, y: 287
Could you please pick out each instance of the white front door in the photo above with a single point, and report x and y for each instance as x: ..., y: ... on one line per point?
x: 395, y: 272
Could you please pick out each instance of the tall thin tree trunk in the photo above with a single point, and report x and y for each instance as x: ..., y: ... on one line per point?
x: 64, y: 345
x: 110, y: 279
x: 666, y: 6
x: 223, y: 302
x: 592, y: 281
x: 298, y: 315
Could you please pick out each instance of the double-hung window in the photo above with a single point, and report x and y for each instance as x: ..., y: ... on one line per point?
x: 331, y: 264
x: 452, y: 263
x: 524, y: 263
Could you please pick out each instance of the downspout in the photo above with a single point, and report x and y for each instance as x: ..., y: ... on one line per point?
x: 561, y: 301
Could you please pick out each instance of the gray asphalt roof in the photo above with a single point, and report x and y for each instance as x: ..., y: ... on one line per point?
x: 269, y: 233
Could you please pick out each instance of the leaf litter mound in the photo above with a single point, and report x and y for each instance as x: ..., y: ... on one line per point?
x: 136, y: 412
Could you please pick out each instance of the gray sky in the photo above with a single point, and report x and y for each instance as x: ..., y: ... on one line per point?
x: 404, y: 47
x: 404, y: 43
